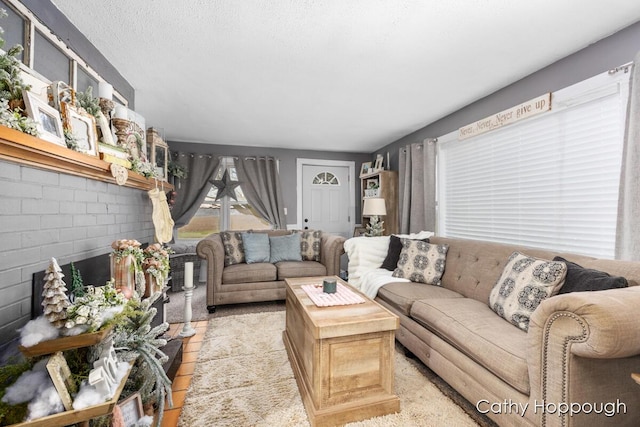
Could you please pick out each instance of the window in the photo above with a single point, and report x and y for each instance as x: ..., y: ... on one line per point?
x: 325, y: 178
x: 224, y: 214
x: 14, y: 28
x: 50, y: 61
x: 550, y: 181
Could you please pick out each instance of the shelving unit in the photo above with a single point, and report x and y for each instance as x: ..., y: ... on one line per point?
x: 387, y: 182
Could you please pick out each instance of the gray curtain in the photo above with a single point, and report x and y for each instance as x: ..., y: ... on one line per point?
x: 260, y: 183
x: 417, y: 186
x: 194, y: 188
x: 628, y: 228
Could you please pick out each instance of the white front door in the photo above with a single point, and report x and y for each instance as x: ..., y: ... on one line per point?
x: 326, y: 199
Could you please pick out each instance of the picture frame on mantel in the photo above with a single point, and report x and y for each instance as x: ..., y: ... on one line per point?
x: 82, y: 126
x: 47, y: 118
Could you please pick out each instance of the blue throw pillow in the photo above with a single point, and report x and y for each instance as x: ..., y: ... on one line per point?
x: 285, y: 248
x: 256, y: 247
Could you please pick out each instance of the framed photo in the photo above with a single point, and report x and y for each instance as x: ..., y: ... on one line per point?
x: 378, y: 165
x: 61, y: 377
x: 83, y: 127
x: 359, y: 231
x: 365, y: 169
x: 131, y: 409
x: 46, y: 117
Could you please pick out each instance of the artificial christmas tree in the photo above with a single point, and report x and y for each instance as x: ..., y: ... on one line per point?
x: 55, y: 300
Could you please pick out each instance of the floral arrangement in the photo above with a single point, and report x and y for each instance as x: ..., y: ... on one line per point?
x: 97, y: 306
x: 125, y: 248
x: 156, y: 262
x: 144, y: 168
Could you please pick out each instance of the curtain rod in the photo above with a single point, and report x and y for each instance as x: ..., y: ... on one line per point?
x: 624, y: 67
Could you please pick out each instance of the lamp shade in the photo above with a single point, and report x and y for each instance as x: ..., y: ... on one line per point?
x: 374, y: 206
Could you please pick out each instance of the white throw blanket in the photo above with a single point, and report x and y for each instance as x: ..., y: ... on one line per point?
x: 366, y: 255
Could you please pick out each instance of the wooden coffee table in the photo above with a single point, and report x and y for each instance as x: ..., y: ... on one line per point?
x: 342, y: 356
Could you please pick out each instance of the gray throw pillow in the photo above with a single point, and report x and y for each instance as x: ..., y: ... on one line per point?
x: 421, y: 261
x: 580, y: 279
x: 525, y: 282
x: 285, y: 248
x: 233, y: 248
x: 256, y: 247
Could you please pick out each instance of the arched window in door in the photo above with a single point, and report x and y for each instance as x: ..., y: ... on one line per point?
x: 325, y: 178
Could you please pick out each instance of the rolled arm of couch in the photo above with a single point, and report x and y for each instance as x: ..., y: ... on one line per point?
x: 332, y: 247
x: 601, y: 324
x: 211, y: 249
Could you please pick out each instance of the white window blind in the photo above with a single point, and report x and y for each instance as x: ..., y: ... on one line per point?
x: 550, y: 181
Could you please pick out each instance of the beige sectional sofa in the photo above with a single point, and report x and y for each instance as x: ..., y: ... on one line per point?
x: 261, y: 281
x: 571, y: 368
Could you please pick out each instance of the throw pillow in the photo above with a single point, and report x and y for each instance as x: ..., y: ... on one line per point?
x: 393, y: 254
x: 233, y: 248
x: 580, y: 279
x: 256, y: 247
x: 285, y: 248
x: 421, y: 261
x: 310, y: 244
x: 525, y: 282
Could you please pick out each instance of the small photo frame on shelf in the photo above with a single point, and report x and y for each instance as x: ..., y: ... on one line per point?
x: 131, y: 409
x: 365, y: 168
x: 359, y: 231
x: 379, y: 164
x: 47, y: 118
x: 61, y: 376
x: 83, y: 127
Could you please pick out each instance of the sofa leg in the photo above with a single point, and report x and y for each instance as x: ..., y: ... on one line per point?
x: 211, y: 308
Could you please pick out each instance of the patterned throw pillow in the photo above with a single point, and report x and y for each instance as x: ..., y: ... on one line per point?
x: 310, y: 241
x: 524, y: 284
x: 233, y: 247
x: 421, y: 261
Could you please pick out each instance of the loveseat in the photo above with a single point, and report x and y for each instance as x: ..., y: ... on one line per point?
x: 571, y: 367
x: 234, y: 278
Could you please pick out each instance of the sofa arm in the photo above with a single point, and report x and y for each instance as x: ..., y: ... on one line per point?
x: 211, y: 249
x: 582, y: 347
x: 332, y: 248
x: 604, y: 325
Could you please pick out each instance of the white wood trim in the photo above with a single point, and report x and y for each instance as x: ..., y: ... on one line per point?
x: 300, y: 162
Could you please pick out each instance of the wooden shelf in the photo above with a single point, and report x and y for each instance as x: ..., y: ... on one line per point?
x: 78, y: 415
x: 18, y: 147
x: 65, y: 343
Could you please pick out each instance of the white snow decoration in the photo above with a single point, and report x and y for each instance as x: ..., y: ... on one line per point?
x: 26, y: 386
x: 36, y: 331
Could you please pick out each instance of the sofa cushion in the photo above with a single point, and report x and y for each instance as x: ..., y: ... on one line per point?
x: 421, y: 261
x: 580, y: 279
x: 310, y: 241
x: 233, y: 248
x: 291, y: 269
x: 525, y: 282
x: 256, y: 247
x: 285, y: 248
x: 242, y: 273
x: 471, y: 327
x: 402, y: 295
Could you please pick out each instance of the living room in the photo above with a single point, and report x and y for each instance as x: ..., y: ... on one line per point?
x: 58, y: 206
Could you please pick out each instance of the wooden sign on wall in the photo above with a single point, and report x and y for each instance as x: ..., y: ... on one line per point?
x: 514, y: 114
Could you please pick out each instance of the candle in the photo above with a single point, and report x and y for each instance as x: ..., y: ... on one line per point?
x: 105, y: 90
x: 120, y: 112
x: 188, y: 275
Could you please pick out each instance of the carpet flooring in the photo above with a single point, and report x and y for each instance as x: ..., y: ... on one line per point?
x: 243, y: 378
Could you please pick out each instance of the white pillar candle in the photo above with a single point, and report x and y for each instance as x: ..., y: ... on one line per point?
x: 120, y: 112
x: 188, y: 275
x: 105, y: 90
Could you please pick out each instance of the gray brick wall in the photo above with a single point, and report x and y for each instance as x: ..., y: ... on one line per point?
x: 46, y: 214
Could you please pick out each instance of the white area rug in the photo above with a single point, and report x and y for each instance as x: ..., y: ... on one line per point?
x: 243, y: 378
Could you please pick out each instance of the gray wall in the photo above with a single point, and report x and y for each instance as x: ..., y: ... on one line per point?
x: 46, y: 214
x: 288, y: 159
x: 604, y: 55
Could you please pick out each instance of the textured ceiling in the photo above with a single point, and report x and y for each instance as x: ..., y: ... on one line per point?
x: 337, y: 75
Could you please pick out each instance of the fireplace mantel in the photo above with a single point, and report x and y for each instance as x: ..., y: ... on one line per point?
x: 18, y: 147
